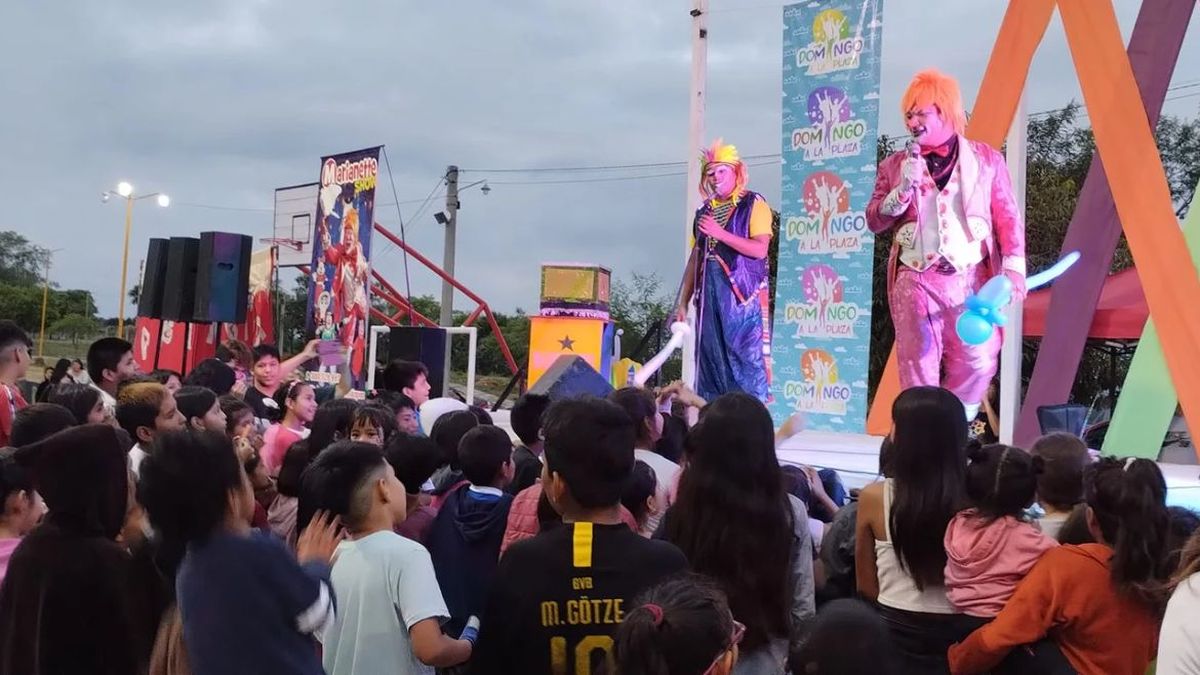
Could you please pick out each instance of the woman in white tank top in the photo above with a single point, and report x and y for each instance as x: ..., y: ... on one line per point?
x: 899, y: 553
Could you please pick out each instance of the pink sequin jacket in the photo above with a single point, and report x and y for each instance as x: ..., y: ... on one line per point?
x: 987, y: 195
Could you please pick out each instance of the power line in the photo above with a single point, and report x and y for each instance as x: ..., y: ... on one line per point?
x: 611, y: 179
x: 412, y: 219
x: 216, y: 207
x: 610, y: 167
x: 252, y: 209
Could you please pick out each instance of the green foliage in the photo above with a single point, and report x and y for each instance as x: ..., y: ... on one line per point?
x: 636, y: 306
x: 75, y: 327
x: 21, y: 304
x: 21, y: 262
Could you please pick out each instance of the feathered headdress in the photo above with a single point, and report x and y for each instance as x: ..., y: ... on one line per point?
x: 721, y: 153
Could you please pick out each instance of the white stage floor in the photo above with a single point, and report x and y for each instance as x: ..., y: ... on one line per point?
x: 856, y: 458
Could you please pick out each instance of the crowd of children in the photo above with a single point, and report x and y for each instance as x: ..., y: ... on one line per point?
x: 158, y: 525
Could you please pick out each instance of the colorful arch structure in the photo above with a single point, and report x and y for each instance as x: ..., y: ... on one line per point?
x: 1139, y: 192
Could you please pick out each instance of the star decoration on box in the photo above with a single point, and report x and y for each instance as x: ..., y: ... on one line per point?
x: 567, y: 343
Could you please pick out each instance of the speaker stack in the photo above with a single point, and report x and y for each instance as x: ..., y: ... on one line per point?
x: 189, y: 283
x: 424, y: 345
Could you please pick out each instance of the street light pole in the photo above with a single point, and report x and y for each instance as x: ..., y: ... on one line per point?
x: 124, y: 266
x: 125, y: 191
x: 447, y: 312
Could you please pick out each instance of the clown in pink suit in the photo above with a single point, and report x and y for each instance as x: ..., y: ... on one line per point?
x: 955, y: 224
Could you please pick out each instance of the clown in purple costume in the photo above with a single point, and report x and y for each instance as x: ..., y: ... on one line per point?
x: 727, y: 278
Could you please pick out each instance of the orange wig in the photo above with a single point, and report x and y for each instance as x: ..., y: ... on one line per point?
x: 932, y: 87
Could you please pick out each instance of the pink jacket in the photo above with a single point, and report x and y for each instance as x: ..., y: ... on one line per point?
x: 987, y: 195
x: 523, y: 520
x: 985, y: 561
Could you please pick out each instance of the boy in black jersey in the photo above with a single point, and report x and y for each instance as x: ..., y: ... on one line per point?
x: 557, y: 599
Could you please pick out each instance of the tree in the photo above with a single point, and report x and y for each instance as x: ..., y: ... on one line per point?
x: 135, y: 294
x: 23, y: 305
x: 75, y: 326
x: 1179, y: 144
x: 21, y: 262
x: 636, y: 306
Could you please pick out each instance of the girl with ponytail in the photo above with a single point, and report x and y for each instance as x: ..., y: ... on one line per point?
x: 679, y: 627
x: 1099, y: 602
x: 990, y: 547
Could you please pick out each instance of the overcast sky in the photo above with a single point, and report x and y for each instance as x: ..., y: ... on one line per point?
x: 219, y: 102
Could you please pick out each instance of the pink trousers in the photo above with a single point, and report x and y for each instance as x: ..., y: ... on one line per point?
x: 925, y: 306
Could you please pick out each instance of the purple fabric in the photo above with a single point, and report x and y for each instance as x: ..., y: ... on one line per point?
x: 1095, y: 227
x: 745, y: 274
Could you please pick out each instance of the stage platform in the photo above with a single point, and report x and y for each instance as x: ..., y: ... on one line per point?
x: 856, y: 458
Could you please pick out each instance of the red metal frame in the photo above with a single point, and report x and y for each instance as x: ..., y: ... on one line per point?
x: 389, y: 294
x: 385, y: 291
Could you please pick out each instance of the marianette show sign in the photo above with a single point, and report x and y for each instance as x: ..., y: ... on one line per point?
x: 821, y: 332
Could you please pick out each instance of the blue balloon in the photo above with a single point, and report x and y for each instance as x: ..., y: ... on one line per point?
x: 983, y: 311
x: 973, y: 329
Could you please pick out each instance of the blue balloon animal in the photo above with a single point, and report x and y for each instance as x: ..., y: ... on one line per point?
x: 984, y: 311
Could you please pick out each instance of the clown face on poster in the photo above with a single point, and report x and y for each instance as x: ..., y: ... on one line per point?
x: 821, y: 333
x: 338, y: 302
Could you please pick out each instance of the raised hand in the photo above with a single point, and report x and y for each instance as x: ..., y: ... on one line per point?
x: 832, y: 26
x: 912, y: 172
x: 319, y: 540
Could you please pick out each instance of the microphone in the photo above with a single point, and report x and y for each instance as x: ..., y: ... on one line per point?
x: 914, y: 153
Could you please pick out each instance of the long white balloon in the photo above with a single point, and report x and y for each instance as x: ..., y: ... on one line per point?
x: 1056, y: 270
x: 679, y: 332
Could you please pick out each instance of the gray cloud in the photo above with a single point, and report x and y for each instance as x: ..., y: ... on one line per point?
x: 218, y: 103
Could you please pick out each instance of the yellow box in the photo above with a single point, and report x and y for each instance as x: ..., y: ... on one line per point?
x: 575, y: 289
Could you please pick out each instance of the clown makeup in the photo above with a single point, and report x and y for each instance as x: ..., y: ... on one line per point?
x: 724, y: 180
x: 927, y: 126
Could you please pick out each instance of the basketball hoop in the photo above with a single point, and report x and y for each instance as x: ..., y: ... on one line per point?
x: 283, y: 243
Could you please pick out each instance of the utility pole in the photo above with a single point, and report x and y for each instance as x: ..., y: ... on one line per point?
x: 45, y: 301
x: 696, y: 104
x: 1010, y: 350
x: 447, y: 315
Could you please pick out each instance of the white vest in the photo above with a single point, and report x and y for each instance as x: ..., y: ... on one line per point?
x: 942, y: 229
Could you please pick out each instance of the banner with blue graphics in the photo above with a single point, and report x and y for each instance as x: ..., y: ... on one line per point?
x: 822, y: 324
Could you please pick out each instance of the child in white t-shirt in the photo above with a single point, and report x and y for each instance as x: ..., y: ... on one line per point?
x: 389, y: 606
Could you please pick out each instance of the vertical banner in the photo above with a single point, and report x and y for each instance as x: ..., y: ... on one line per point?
x: 822, y: 328
x: 145, y: 343
x: 338, y: 302
x: 260, y: 317
x: 201, y: 344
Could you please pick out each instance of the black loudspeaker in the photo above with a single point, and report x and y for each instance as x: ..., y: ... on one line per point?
x: 222, y: 278
x: 179, y: 292
x: 150, y: 296
x: 571, y: 376
x: 426, y: 345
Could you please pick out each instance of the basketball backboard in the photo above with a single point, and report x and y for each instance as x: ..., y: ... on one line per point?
x: 295, y: 220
